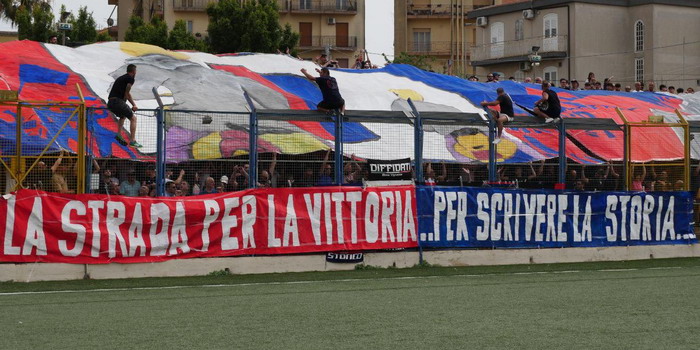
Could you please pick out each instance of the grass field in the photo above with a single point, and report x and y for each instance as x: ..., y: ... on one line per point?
x: 620, y: 305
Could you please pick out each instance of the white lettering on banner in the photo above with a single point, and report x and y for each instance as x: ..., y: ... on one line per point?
x: 516, y: 237
x: 668, y: 228
x: 353, y: 198
x: 496, y: 204
x: 462, y: 232
x: 327, y: 218
x: 451, y: 216
x: 211, y: 213
x: 249, y: 217
x: 583, y: 234
x: 551, y: 231
x: 160, y: 216
x: 482, y: 202
x: 400, y: 232
x: 272, y: 240
x: 337, y: 199
x: 10, y: 249
x: 529, y: 203
x: 646, y: 211
x: 563, y: 205
x: 635, y: 217
x: 507, y: 215
x: 623, y: 223
x: 95, y: 207
x: 229, y: 222
x: 178, y: 232
x: 387, y: 210
x: 291, y: 230
x: 35, y: 237
x: 136, y: 241
x: 409, y: 224
x: 658, y: 219
x: 610, y: 206
x: 69, y: 227
x: 539, y: 216
x: 439, y: 205
x: 313, y: 210
x: 116, y: 212
x: 372, y: 217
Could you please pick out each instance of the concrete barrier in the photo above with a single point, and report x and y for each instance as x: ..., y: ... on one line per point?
x: 317, y: 262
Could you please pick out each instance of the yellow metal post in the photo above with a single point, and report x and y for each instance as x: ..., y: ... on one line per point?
x: 629, y: 170
x: 18, y: 148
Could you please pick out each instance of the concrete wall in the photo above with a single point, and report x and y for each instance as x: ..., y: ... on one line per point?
x: 317, y: 262
x: 674, y: 63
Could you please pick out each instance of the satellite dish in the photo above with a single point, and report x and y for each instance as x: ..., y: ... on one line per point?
x: 110, y: 22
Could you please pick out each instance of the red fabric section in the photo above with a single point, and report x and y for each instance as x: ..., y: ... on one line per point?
x: 48, y: 227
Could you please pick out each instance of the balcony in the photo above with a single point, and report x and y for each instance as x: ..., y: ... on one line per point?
x: 430, y: 47
x: 440, y: 9
x: 518, y: 50
x: 334, y: 42
x: 339, y: 7
x: 192, y: 5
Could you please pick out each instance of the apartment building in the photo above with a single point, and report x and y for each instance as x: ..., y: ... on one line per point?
x: 334, y: 27
x: 439, y: 29
x: 629, y: 40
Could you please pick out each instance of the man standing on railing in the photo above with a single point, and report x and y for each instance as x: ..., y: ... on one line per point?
x: 329, y: 89
x: 120, y: 93
x: 505, y: 115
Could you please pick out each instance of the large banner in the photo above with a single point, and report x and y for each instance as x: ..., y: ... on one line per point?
x: 50, y: 227
x: 485, y: 217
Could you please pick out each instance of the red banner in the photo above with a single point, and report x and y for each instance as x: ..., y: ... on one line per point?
x: 92, y: 229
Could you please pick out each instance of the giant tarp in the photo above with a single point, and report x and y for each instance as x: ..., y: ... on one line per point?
x: 193, y: 81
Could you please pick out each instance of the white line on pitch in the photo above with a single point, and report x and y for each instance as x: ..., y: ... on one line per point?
x: 101, y: 290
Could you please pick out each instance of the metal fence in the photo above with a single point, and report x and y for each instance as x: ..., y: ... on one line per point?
x: 199, y: 152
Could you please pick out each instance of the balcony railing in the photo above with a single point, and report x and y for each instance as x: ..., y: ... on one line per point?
x: 319, y: 42
x: 322, y: 6
x: 516, y: 48
x: 191, y: 5
x: 440, y: 9
x: 430, y: 47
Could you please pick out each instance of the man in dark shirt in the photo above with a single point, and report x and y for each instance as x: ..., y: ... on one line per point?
x: 329, y: 89
x: 120, y: 93
x: 505, y: 115
x: 551, y: 110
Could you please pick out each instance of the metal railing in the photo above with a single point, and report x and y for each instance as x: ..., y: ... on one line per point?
x: 192, y: 5
x: 326, y: 6
x: 441, y: 9
x: 431, y: 47
x: 514, y: 48
x: 319, y: 42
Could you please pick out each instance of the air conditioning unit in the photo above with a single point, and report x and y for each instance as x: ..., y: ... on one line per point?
x: 528, y: 14
x: 525, y: 66
x: 482, y: 21
x: 331, y: 21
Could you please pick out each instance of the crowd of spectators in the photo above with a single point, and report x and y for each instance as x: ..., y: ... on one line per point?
x: 591, y: 83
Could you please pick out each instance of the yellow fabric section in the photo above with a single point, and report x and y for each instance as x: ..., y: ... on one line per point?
x: 469, y: 145
x: 138, y: 49
x: 296, y: 143
x: 207, y: 147
x: 407, y: 93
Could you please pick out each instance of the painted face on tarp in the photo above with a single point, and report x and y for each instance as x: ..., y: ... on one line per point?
x: 473, y: 144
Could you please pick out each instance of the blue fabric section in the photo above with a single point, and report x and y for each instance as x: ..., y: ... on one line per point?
x: 30, y: 73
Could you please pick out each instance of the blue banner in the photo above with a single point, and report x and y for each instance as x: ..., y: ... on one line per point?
x: 487, y: 217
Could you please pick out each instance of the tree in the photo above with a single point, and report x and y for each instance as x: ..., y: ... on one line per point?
x: 10, y: 8
x: 103, y: 36
x: 154, y: 33
x: 180, y: 39
x: 252, y: 26
x: 419, y: 61
x: 35, y: 23
x: 83, y: 27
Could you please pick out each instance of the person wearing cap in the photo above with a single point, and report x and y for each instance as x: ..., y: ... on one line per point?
x: 506, y: 111
x: 170, y: 188
x: 131, y: 186
x: 224, y: 183
x: 575, y: 85
x: 323, y: 61
x: 329, y: 89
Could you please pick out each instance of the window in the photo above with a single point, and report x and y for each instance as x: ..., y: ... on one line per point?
x: 305, y: 4
x: 342, y: 4
x: 189, y: 26
x: 496, y: 40
x: 421, y: 40
x: 519, y: 29
x: 550, y: 73
x: 639, y: 69
x: 551, y: 24
x: 639, y: 36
